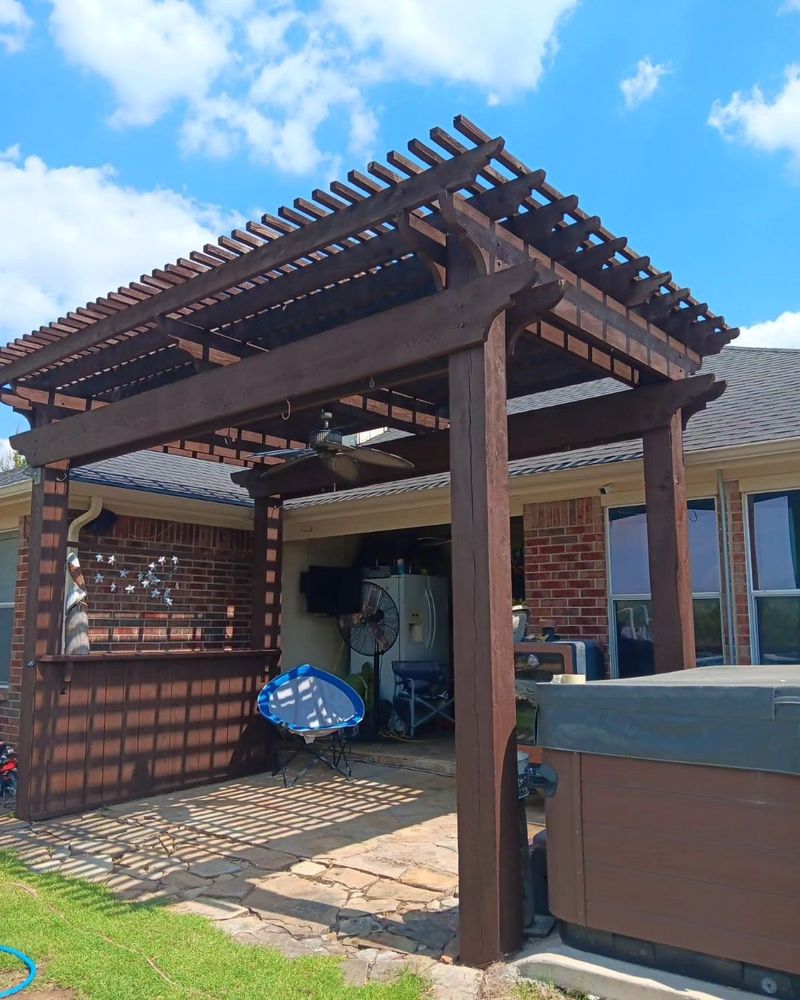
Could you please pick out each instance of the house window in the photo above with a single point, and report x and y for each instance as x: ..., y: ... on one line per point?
x: 629, y: 587
x: 774, y: 520
x: 9, y: 543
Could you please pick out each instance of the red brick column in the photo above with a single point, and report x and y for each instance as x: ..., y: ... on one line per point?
x: 738, y: 555
x: 565, y: 567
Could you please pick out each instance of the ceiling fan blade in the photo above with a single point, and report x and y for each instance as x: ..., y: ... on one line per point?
x: 274, y: 471
x: 281, y: 453
x: 371, y: 456
x: 342, y: 465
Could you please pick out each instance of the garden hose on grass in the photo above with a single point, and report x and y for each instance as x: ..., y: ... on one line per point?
x: 29, y: 964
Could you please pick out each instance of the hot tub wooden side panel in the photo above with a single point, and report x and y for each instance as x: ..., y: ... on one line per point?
x: 696, y: 857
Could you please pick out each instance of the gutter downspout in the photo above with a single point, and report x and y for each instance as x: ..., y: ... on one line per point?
x: 726, y: 568
x: 75, y: 631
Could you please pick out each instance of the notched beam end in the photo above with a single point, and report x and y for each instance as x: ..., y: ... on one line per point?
x: 529, y: 305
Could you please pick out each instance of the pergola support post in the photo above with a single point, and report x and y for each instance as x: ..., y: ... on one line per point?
x: 490, y: 893
x: 668, y: 547
x: 44, y: 609
x: 267, y: 559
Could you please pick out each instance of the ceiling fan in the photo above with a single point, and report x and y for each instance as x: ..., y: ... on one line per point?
x: 327, y: 446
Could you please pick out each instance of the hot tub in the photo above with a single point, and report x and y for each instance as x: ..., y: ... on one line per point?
x: 673, y: 835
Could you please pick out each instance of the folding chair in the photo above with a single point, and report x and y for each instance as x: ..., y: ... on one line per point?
x: 424, y: 686
x: 315, y: 711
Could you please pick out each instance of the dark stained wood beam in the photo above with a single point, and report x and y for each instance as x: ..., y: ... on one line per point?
x: 267, y: 560
x: 580, y: 309
x: 489, y: 871
x: 424, y: 330
x: 450, y: 175
x: 504, y: 200
x: 668, y: 548
x: 129, y: 349
x: 44, y: 608
x: 535, y: 224
x: 586, y: 423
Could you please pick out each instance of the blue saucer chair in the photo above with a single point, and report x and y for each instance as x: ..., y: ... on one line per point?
x: 316, y: 714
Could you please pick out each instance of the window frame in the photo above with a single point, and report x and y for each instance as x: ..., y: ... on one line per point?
x: 11, y: 533
x: 752, y: 593
x: 612, y: 598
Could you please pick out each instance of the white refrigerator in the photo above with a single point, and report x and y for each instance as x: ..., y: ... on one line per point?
x: 423, y: 607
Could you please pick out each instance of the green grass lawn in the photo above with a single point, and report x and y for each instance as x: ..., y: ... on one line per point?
x: 102, y: 949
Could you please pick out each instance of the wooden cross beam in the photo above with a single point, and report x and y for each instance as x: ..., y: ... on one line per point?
x: 586, y: 423
x: 421, y: 331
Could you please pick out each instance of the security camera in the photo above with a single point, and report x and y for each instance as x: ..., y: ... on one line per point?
x: 607, y: 488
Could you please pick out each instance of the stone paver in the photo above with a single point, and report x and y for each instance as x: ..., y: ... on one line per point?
x: 363, y: 869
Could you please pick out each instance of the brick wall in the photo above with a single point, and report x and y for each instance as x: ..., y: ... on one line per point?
x: 565, y: 567
x: 211, y: 588
x: 738, y: 554
x: 10, y: 698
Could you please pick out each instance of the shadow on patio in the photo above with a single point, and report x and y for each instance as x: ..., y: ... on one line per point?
x: 328, y: 866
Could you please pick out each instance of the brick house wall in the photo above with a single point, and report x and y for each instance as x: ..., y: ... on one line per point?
x: 565, y: 567
x: 211, y: 588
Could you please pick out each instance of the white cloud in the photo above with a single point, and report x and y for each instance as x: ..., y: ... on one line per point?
x: 454, y: 41
x: 781, y: 332
x: 152, y: 52
x: 756, y: 120
x: 790, y: 6
x: 77, y: 233
x: 644, y: 83
x: 14, y: 26
x: 269, y: 75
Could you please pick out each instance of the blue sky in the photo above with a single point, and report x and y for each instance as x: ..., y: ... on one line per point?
x: 134, y: 130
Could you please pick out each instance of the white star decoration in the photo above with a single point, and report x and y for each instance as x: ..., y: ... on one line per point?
x: 130, y: 588
x: 111, y: 560
x: 113, y: 588
x: 98, y: 557
x: 174, y: 560
x: 162, y: 560
x: 99, y: 578
x: 156, y: 592
x: 123, y: 573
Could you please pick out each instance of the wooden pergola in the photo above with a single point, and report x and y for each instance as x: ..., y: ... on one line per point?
x: 420, y: 295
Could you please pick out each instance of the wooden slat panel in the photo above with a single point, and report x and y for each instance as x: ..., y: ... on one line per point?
x: 774, y: 826
x: 757, y: 787
x: 727, y: 909
x: 564, y: 848
x: 134, y: 725
x: 676, y: 854
x: 743, y: 944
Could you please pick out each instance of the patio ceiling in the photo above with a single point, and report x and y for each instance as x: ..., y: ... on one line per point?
x: 374, y: 246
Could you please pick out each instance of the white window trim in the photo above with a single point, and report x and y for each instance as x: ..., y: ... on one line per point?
x: 752, y: 593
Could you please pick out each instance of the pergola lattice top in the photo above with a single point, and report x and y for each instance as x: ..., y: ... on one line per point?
x: 374, y: 243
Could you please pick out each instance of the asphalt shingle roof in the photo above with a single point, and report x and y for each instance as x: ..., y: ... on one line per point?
x: 156, y: 473
x: 762, y: 403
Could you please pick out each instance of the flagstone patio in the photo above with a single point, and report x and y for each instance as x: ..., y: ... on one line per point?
x: 365, y: 869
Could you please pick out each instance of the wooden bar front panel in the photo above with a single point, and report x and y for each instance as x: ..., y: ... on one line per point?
x: 109, y: 728
x: 701, y: 858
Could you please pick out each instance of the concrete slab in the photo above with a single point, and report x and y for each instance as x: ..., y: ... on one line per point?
x: 554, y: 962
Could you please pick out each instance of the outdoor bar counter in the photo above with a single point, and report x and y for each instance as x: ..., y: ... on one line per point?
x: 673, y: 834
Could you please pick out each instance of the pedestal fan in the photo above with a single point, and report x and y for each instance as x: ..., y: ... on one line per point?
x: 372, y: 631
